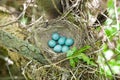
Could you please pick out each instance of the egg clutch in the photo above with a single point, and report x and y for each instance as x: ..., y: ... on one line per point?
x: 59, y: 43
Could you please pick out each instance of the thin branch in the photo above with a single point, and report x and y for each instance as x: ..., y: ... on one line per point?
x: 77, y: 2
x: 23, y: 69
x: 55, y: 6
x: 11, y: 76
x: 108, y: 66
x: 36, y: 21
x: 73, y: 75
x: 116, y: 14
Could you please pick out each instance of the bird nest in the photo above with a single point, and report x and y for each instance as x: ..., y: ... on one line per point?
x: 64, y: 28
x: 58, y: 67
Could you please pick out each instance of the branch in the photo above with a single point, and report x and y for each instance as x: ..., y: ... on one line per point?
x: 21, y: 47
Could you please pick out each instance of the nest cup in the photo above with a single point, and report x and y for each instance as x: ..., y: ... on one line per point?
x: 64, y: 28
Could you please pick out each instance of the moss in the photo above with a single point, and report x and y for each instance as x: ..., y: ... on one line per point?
x: 3, y: 51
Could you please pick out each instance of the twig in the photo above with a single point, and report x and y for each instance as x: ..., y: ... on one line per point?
x: 54, y: 4
x: 105, y: 57
x: 61, y: 61
x: 116, y: 14
x: 52, y: 65
x: 77, y: 2
x: 36, y: 21
x: 95, y: 51
x: 73, y: 76
x: 70, y: 9
x: 23, y: 69
x: 81, y: 73
x: 9, y: 72
x: 108, y: 66
x: 104, y: 32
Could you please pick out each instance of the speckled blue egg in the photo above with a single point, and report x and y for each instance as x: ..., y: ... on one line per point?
x: 55, y: 36
x: 51, y: 43
x: 65, y: 49
x: 69, y: 42
x: 57, y: 48
x: 62, y: 40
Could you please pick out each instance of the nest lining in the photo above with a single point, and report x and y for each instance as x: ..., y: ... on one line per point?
x: 64, y: 28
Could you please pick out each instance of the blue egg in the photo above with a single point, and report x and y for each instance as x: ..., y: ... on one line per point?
x: 65, y: 49
x: 69, y: 42
x: 58, y: 48
x: 62, y: 40
x: 51, y: 43
x: 55, y: 36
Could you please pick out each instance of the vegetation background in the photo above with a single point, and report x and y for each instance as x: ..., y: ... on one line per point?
x: 17, y: 17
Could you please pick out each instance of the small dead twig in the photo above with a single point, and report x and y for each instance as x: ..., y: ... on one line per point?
x: 55, y: 6
x: 53, y: 65
x: 11, y: 76
x: 70, y: 9
x: 116, y: 14
x: 23, y: 69
x: 73, y: 75
x: 36, y: 21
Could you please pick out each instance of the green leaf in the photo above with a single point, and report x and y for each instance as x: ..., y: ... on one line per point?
x: 77, y: 53
x: 85, y: 58
x: 118, y: 49
x: 112, y: 62
x: 110, y: 4
x: 111, y: 31
x: 24, y: 20
x: 108, y: 21
x: 118, y: 10
x: 102, y: 71
x: 111, y: 13
x: 83, y: 49
x: 105, y: 47
x: 76, y: 60
x: 92, y: 63
x: 72, y: 62
x: 74, y: 49
x: 70, y: 53
x: 74, y: 55
x: 118, y: 46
